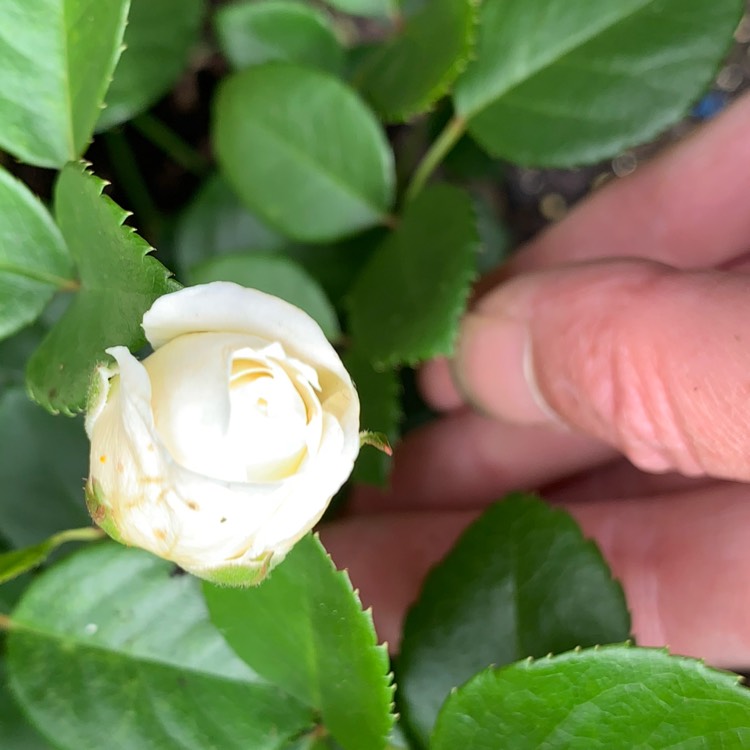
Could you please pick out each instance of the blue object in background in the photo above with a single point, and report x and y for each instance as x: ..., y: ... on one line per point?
x: 710, y: 105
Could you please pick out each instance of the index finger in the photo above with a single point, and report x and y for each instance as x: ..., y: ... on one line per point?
x: 686, y: 208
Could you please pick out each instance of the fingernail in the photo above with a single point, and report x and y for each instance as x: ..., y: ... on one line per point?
x: 493, y: 369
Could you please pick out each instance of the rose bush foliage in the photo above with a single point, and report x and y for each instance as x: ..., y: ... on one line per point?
x: 371, y: 193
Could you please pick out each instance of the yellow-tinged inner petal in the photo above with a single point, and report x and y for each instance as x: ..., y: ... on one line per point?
x: 234, y: 407
x: 268, y: 420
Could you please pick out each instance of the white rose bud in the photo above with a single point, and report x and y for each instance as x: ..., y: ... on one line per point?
x: 224, y: 447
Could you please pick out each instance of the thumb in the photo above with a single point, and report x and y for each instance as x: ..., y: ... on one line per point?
x: 653, y: 360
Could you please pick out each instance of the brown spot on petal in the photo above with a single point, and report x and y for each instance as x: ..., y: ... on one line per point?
x: 192, y: 505
x: 160, y: 534
x: 95, y: 507
x: 98, y: 513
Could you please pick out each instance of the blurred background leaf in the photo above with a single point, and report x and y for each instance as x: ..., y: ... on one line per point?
x: 141, y: 669
x: 372, y: 8
x: 303, y: 151
x: 251, y: 33
x: 559, y: 84
x: 406, y: 75
x: 43, y: 465
x: 34, y: 260
x: 215, y: 222
x: 158, y: 40
x: 15, y: 729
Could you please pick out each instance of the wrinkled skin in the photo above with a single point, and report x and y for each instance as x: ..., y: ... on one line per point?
x: 620, y: 333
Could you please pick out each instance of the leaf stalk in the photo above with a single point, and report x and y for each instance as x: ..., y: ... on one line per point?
x: 447, y: 139
x: 165, y: 139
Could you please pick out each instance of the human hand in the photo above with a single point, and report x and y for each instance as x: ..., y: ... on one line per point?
x: 621, y: 331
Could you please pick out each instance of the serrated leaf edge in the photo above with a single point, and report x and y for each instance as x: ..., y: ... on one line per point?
x: 380, y: 648
x: 120, y: 215
x: 442, y: 87
x: 445, y: 346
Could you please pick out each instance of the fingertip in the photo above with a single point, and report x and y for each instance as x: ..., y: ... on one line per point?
x: 437, y: 386
x: 494, y: 369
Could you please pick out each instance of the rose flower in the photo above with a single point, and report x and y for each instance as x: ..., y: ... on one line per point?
x: 224, y: 447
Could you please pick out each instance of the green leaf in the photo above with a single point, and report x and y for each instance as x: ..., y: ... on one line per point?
x: 34, y: 262
x: 466, y: 161
x: 407, y: 75
x: 15, y: 352
x: 521, y: 581
x: 43, y: 461
x: 110, y: 649
x: 407, y: 303
x: 312, y: 742
x: 304, y: 630
x: 15, y: 729
x: 118, y: 283
x: 10, y: 593
x: 372, y: 8
x: 158, y: 40
x: 215, y: 223
x: 379, y: 396
x: 57, y: 58
x: 277, y: 275
x: 559, y: 84
x: 337, y: 265
x: 321, y: 165
x: 495, y: 238
x: 615, y: 697
x: 17, y: 562
x: 251, y: 33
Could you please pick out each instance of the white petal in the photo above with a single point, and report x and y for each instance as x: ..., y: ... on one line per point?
x: 312, y: 491
x: 158, y: 505
x: 126, y: 456
x: 190, y: 396
x: 226, y: 411
x: 229, y: 308
x: 268, y: 426
x: 219, y: 521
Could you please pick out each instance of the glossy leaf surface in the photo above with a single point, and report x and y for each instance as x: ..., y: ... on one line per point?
x: 303, y: 152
